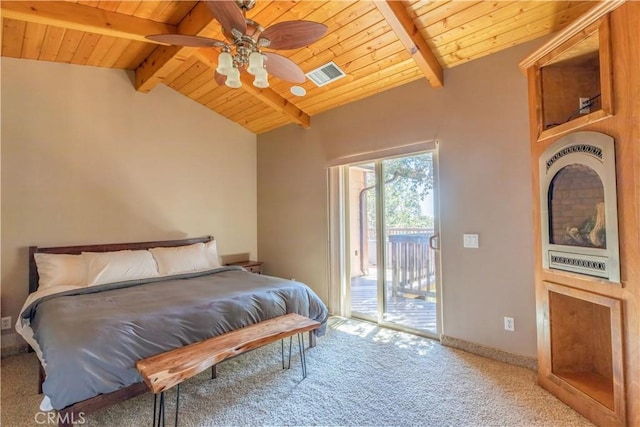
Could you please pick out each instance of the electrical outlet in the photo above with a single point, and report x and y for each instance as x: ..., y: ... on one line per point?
x: 509, y: 324
x: 6, y: 323
x: 584, y: 105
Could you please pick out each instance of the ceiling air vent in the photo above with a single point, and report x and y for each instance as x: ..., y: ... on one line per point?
x: 326, y: 74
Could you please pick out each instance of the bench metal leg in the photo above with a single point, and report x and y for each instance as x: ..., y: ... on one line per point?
x: 178, y: 403
x: 282, y: 352
x: 214, y: 372
x: 159, y: 409
x: 290, y: 340
x: 303, y: 359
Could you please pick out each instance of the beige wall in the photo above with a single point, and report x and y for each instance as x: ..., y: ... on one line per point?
x: 480, y: 120
x: 292, y: 221
x: 86, y: 159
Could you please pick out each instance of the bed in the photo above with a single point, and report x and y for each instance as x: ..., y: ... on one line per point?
x: 89, y: 336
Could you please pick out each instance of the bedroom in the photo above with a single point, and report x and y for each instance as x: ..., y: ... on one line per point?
x: 100, y: 162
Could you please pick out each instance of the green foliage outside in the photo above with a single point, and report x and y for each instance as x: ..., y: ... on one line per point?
x: 408, y: 181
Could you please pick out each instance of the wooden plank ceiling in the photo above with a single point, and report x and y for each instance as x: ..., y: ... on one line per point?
x: 378, y: 44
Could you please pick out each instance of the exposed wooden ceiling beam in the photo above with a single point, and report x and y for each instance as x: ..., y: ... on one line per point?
x: 395, y: 13
x: 84, y: 18
x: 267, y: 95
x: 164, y: 59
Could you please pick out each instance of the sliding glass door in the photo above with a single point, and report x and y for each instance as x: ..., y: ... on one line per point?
x: 392, y: 242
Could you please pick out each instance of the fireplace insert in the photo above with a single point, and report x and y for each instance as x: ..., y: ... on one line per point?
x: 579, y: 206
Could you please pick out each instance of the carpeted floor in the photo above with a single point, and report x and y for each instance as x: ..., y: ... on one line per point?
x: 358, y: 374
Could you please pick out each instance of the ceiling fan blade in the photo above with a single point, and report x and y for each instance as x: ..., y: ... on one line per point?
x: 293, y: 34
x: 228, y: 14
x: 219, y: 78
x: 184, y: 40
x: 283, y: 68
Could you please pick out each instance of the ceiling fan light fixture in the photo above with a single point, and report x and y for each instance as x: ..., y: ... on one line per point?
x: 233, y: 78
x: 261, y: 81
x: 225, y: 63
x: 244, y: 40
x: 256, y: 63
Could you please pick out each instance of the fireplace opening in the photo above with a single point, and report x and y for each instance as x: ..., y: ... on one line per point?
x: 576, y: 208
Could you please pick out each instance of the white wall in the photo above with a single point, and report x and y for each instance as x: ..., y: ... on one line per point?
x: 87, y: 159
x: 480, y: 119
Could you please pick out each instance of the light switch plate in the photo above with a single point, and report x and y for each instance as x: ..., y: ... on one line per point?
x: 471, y: 241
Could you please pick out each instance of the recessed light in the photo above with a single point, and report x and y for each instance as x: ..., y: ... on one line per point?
x: 298, y: 90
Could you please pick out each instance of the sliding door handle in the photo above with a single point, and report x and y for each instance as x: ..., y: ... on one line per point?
x: 433, y: 240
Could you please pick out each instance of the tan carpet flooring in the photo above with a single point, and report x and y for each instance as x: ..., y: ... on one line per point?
x: 358, y: 375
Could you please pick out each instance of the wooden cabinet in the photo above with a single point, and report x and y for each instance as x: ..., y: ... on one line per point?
x: 252, y: 266
x: 572, y: 78
x: 589, y: 327
x: 584, y: 344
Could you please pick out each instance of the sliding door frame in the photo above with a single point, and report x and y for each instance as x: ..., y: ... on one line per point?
x: 339, y: 238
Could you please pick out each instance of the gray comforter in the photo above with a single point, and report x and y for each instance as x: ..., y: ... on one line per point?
x: 91, y: 339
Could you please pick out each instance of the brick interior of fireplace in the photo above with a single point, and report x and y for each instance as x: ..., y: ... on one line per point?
x: 575, y: 191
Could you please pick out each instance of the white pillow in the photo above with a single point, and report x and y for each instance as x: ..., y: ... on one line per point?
x: 111, y: 267
x: 60, y: 270
x: 186, y: 259
x: 211, y: 249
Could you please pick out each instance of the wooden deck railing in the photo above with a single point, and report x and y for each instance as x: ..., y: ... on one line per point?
x: 412, y: 263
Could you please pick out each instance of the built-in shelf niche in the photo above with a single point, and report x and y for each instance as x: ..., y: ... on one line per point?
x: 586, y: 346
x: 579, y: 68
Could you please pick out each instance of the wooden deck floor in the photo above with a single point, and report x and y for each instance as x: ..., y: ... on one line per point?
x: 403, y: 310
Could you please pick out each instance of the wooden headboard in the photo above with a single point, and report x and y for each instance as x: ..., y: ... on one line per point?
x: 75, y: 250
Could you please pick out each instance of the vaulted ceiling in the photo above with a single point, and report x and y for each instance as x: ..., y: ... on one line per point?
x: 378, y: 44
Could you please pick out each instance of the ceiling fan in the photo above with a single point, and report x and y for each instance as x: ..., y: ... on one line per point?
x: 246, y: 38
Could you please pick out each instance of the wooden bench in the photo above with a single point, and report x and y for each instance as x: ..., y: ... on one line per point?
x: 168, y: 369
